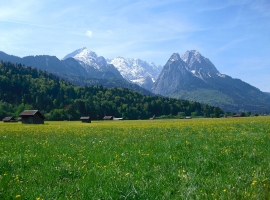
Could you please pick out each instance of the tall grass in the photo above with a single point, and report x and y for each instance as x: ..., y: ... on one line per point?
x: 157, y: 159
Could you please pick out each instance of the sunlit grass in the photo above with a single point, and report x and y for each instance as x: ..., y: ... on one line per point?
x: 157, y: 159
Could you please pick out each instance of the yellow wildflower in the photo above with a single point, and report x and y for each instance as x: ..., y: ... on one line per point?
x: 254, y: 182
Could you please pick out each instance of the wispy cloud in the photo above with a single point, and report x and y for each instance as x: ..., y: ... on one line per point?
x: 31, y: 24
x: 231, y: 44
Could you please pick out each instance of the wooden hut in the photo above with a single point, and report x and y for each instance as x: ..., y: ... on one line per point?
x: 32, y: 117
x: 86, y: 119
x: 108, y: 118
x: 9, y: 119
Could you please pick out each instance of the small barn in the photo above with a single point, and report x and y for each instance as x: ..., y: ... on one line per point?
x: 86, y: 119
x: 108, y: 118
x: 9, y: 119
x: 32, y: 117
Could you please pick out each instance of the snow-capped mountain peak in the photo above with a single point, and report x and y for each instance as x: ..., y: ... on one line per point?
x: 84, y: 56
x: 86, y: 53
x: 137, y: 70
x: 80, y: 53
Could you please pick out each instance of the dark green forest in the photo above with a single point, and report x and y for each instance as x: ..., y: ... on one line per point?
x: 24, y: 88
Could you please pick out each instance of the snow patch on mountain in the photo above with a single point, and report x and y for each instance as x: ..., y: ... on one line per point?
x: 221, y: 75
x: 136, y: 70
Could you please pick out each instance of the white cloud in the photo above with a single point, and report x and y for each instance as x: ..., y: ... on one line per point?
x: 89, y: 33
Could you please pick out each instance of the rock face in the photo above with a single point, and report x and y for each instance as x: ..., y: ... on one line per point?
x: 174, y: 77
x: 194, y: 77
x: 200, y: 66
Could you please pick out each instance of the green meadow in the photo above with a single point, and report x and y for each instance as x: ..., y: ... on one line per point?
x: 142, y: 159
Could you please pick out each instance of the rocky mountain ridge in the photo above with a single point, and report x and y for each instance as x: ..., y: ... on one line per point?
x: 133, y: 70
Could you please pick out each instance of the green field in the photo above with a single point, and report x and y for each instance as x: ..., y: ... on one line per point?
x: 151, y: 159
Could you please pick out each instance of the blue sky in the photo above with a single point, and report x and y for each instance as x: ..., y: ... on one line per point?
x: 233, y: 34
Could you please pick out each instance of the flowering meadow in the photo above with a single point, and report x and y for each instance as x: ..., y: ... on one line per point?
x: 142, y: 159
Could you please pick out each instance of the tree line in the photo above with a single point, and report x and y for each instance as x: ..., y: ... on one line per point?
x: 28, y: 88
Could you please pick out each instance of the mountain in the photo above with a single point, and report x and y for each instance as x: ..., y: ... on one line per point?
x: 194, y: 77
x: 137, y: 71
x: 76, y: 71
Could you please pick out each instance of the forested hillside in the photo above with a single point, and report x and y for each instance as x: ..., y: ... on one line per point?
x: 28, y: 88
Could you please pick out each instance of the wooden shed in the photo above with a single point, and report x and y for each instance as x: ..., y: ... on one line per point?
x: 32, y: 117
x: 108, y: 118
x: 86, y: 119
x: 9, y: 119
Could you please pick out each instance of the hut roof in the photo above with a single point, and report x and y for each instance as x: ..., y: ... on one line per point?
x: 7, y: 119
x: 85, y: 117
x: 108, y: 117
x: 31, y: 113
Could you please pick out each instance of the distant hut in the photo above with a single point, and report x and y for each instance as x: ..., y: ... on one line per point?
x: 9, y: 119
x: 86, y: 119
x: 117, y: 118
x: 152, y: 118
x: 108, y: 118
x: 32, y: 117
